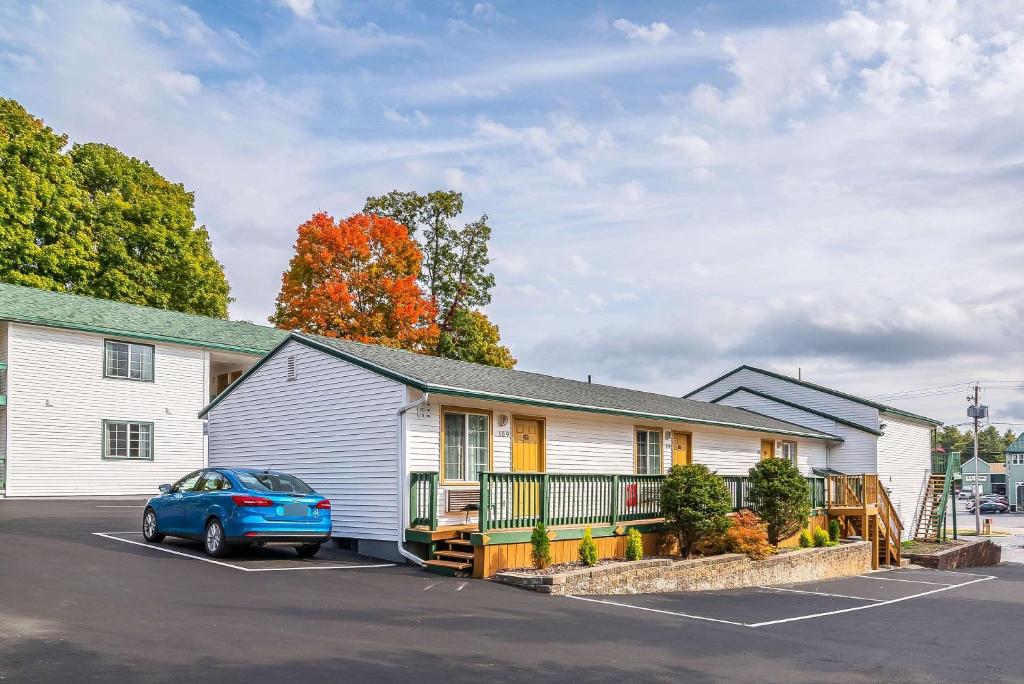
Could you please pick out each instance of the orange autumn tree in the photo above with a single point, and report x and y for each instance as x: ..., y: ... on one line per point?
x: 357, y: 279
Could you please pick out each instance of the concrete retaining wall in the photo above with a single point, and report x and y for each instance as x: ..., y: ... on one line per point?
x: 728, y: 571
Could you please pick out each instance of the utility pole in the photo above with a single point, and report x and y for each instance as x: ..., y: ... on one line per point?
x: 977, y: 489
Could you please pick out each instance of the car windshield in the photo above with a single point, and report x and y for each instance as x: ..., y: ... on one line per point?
x: 274, y: 482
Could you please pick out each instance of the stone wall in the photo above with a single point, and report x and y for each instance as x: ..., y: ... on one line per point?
x: 972, y: 555
x: 728, y: 571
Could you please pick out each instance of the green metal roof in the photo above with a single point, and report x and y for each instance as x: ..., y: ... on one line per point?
x: 462, y: 379
x: 1017, y: 447
x: 74, y: 312
x: 821, y: 388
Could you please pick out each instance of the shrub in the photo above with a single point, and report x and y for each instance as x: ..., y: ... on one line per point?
x: 821, y: 538
x: 540, y: 547
x: 779, y: 494
x: 634, y: 545
x: 588, y: 549
x: 805, y: 539
x: 833, y: 530
x: 696, y: 505
x: 749, y: 535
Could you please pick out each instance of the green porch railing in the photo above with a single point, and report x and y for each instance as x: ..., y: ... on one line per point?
x: 423, y: 500
x: 518, y: 500
x: 739, y: 489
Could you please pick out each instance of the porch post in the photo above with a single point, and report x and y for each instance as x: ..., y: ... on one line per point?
x: 485, y: 495
x: 614, y: 513
x: 434, y: 477
x: 545, y: 491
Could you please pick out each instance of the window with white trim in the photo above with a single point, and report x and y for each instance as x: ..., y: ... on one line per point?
x: 648, y: 451
x: 1016, y: 459
x: 788, y: 451
x: 128, y: 361
x: 467, y: 445
x: 127, y: 440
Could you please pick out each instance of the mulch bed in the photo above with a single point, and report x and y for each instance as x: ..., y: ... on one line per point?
x: 576, y: 565
x: 932, y: 547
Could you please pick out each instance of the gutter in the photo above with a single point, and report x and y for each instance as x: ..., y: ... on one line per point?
x: 403, y: 501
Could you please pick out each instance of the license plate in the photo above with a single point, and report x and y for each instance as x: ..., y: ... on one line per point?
x: 296, y: 510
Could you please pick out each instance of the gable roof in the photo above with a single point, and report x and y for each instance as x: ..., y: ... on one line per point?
x: 784, y: 402
x: 1017, y: 447
x: 74, y: 312
x: 884, y: 408
x: 463, y: 379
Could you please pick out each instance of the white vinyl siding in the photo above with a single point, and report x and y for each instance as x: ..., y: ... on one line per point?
x: 59, y: 398
x: 796, y: 393
x: 904, y: 464
x: 3, y: 409
x: 334, y: 426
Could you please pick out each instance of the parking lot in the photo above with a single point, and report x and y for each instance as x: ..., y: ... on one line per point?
x: 81, y: 606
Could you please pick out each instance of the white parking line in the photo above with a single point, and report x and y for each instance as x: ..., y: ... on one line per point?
x: 110, y: 535
x: 132, y: 506
x: 874, y: 603
x: 656, y: 610
x: 896, y: 579
x: 820, y: 593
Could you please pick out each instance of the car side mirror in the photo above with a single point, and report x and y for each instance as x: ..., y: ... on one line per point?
x: 165, y: 489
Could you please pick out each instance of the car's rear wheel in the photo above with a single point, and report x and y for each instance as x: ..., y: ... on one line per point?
x: 213, y: 541
x: 307, y: 550
x: 150, y: 531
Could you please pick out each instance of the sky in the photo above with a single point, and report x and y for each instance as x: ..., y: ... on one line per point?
x: 675, y: 188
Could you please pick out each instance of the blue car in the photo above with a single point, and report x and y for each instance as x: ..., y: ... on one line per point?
x: 225, y: 507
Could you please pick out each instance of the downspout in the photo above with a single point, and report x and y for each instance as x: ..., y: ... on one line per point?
x: 403, y: 502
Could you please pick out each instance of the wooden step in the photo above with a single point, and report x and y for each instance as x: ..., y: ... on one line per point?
x: 459, y: 542
x: 463, y: 555
x: 450, y: 568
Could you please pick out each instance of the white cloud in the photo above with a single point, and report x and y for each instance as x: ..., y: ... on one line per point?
x: 568, y: 171
x: 578, y: 264
x: 454, y: 178
x: 180, y: 84
x: 304, y: 9
x: 632, y: 191
x: 653, y: 34
x: 693, y: 148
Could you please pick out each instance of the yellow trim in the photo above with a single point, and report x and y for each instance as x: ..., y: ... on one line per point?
x: 542, y: 441
x: 636, y: 447
x: 490, y: 440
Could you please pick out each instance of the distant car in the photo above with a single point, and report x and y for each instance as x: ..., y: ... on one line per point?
x: 225, y: 507
x: 965, y: 494
x: 989, y: 507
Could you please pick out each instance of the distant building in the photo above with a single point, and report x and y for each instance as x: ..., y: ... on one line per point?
x: 1015, y: 474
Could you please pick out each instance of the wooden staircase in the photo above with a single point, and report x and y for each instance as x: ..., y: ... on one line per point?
x: 454, y: 558
x: 863, y: 508
x: 931, y: 521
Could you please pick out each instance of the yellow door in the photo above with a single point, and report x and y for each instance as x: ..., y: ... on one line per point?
x: 527, y: 457
x: 767, y: 449
x: 682, y: 448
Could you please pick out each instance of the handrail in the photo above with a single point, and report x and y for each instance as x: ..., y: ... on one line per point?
x: 423, y: 499
x: 952, y: 465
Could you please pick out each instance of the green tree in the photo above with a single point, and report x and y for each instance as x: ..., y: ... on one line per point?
x: 454, y: 271
x: 94, y: 221
x: 951, y: 439
x: 44, y: 241
x: 696, y: 504
x: 780, y: 496
x: 149, y: 248
x: 990, y: 444
x: 1008, y: 438
x: 540, y: 546
x: 634, y: 545
x: 588, y: 549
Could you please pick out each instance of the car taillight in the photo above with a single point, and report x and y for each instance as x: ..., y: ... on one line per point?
x: 326, y: 503
x: 254, y: 501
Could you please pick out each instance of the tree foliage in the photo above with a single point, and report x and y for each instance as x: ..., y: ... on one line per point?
x: 696, y: 504
x: 780, y: 496
x: 44, y: 240
x: 94, y: 221
x: 748, y: 535
x: 991, y: 444
x: 634, y: 545
x: 356, y: 279
x: 454, y: 272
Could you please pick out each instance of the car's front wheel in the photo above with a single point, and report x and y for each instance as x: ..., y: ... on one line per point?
x: 307, y: 550
x: 150, y: 531
x: 213, y: 541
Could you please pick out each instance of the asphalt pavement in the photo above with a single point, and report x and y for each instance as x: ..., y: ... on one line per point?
x: 77, y: 606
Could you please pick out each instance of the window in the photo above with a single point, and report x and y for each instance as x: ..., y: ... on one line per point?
x: 127, y: 440
x: 648, y: 451
x: 187, y: 483
x: 129, y: 361
x: 788, y: 451
x: 467, y: 446
x: 213, y: 482
x: 273, y: 482
x: 1017, y: 459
